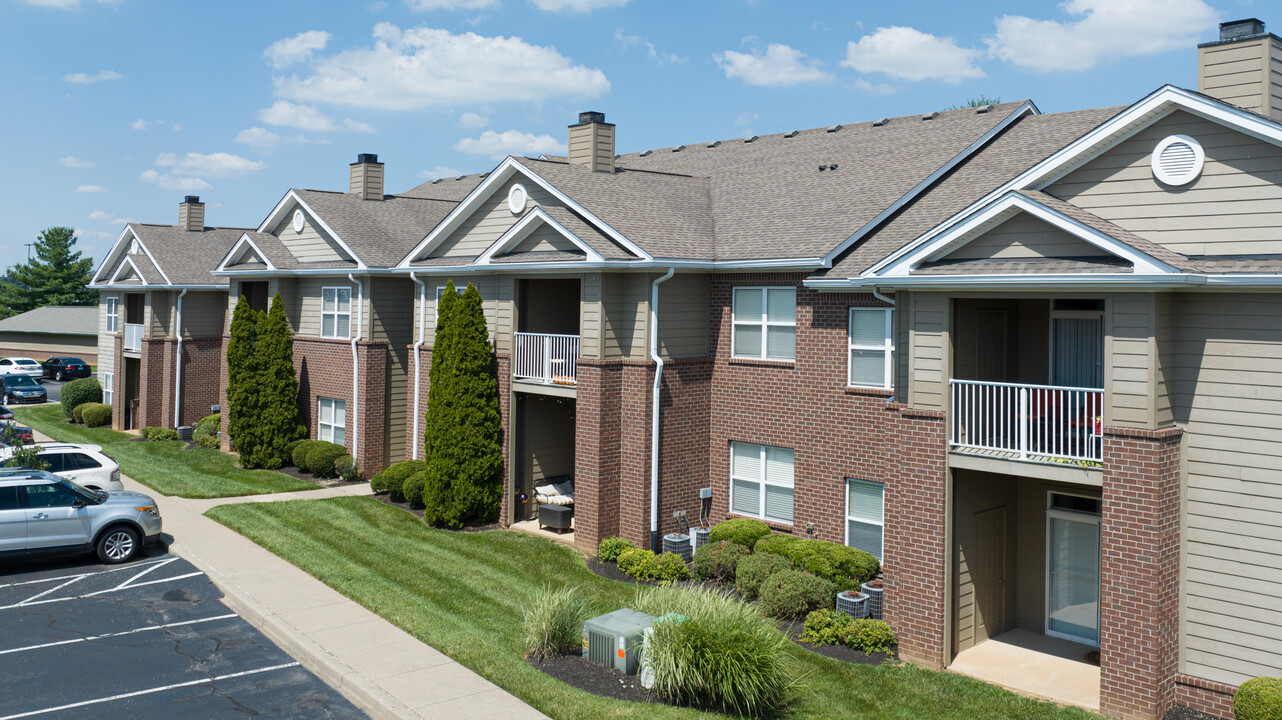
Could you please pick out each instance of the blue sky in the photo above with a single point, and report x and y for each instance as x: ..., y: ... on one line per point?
x: 114, y: 109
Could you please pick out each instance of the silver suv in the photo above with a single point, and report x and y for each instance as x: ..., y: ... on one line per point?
x: 41, y: 513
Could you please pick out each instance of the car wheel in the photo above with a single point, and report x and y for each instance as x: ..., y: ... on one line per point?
x: 58, y: 376
x: 119, y: 544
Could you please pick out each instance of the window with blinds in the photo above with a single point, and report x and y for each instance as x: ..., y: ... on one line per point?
x: 761, y: 481
x: 765, y: 323
x: 865, y: 515
x: 872, y: 348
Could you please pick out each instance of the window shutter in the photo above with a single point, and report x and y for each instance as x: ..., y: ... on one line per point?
x: 747, y: 498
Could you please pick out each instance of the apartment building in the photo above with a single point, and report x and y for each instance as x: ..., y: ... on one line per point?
x: 1026, y: 359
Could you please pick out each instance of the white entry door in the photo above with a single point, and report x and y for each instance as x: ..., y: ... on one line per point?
x: 1072, y: 568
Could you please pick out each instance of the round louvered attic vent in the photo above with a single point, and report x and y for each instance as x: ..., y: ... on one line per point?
x: 517, y: 198
x: 1177, y: 160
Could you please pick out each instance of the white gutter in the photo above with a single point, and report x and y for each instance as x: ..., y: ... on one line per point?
x: 422, y: 328
x: 654, y: 410
x: 883, y: 298
x: 356, y: 365
x: 178, y: 361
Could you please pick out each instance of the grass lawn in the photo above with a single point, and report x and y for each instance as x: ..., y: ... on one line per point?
x: 164, y: 466
x: 463, y: 593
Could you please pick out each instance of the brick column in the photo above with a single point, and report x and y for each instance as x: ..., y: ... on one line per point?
x: 915, y: 553
x: 596, y: 453
x: 1139, y: 572
x: 202, y: 371
x: 414, y: 441
x: 370, y: 416
x: 223, y: 442
x: 156, y: 373
x: 503, y: 370
x: 636, y: 383
x: 117, y: 385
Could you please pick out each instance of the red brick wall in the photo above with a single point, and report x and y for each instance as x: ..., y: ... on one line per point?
x: 596, y: 453
x: 203, y: 359
x: 118, y: 384
x: 156, y: 391
x: 1139, y: 572
x: 1209, y: 697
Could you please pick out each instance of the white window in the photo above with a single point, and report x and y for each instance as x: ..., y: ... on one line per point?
x: 765, y: 323
x: 331, y: 424
x: 113, y: 314
x: 761, y: 481
x: 336, y: 312
x: 865, y: 515
x: 872, y: 348
x: 108, y: 381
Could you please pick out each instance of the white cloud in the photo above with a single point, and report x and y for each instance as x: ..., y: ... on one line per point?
x: 780, y: 66
x: 109, y: 218
x: 219, y: 164
x: 577, y: 6
x: 511, y: 142
x: 141, y: 124
x: 91, y: 189
x: 176, y: 127
x: 306, y: 117
x: 72, y: 161
x: 422, y: 5
x: 265, y: 139
x: 288, y: 51
x: 64, y: 4
x: 171, y: 182
x: 627, y: 42
x: 83, y: 233
x: 1106, y: 30
x: 423, y: 67
x: 86, y: 79
x: 472, y: 120
x: 906, y: 53
x: 439, y: 172
x: 875, y: 88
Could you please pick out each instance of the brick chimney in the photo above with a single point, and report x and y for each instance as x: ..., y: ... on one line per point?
x: 592, y: 142
x: 366, y: 179
x: 1238, y: 68
x: 191, y: 214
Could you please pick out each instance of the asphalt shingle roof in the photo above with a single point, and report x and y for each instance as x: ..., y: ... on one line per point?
x: 57, y: 319
x: 1148, y: 247
x: 1024, y: 266
x: 454, y: 189
x: 381, y: 232
x: 185, y: 257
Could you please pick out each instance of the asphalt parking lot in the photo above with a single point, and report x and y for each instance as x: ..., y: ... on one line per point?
x: 147, y: 639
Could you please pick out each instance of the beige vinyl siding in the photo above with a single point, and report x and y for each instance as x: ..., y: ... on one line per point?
x: 1275, y: 78
x: 489, y: 221
x: 159, y: 314
x: 496, y: 301
x: 546, y: 438
x: 306, y: 293
x: 978, y: 493
x: 1025, y: 236
x: 1165, y: 361
x: 1228, y: 350
x: 1130, y: 360
x: 1236, y: 73
x: 683, y: 315
x: 903, y: 347
x: 546, y: 239
x: 1232, y: 208
x: 313, y: 244
x: 626, y: 303
x: 366, y: 179
x: 591, y: 314
x: 204, y: 314
x: 392, y: 320
x: 106, y: 340
x: 928, y: 348
x: 42, y: 346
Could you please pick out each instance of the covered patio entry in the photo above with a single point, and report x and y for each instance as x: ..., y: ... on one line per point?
x: 1026, y: 560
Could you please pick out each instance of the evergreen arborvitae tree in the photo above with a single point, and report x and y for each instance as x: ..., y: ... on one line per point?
x: 276, y: 423
x: 57, y: 275
x: 242, y: 379
x: 462, y: 444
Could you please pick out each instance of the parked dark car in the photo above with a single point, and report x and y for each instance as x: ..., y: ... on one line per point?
x: 5, y: 413
x: 22, y: 389
x: 65, y: 368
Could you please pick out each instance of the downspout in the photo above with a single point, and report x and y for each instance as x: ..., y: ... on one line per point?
x: 891, y: 303
x: 654, y: 410
x: 356, y: 365
x: 178, y: 362
x: 422, y: 328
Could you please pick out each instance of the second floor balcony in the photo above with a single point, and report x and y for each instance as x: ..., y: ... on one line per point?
x: 545, y: 358
x: 133, y: 336
x: 1028, y: 422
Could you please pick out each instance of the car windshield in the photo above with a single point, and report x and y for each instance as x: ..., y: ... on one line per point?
x: 93, y: 497
x: 24, y: 361
x: 19, y: 381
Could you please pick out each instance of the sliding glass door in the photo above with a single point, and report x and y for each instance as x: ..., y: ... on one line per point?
x: 1072, y: 568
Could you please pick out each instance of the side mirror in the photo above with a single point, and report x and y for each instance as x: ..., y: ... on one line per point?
x: 77, y: 504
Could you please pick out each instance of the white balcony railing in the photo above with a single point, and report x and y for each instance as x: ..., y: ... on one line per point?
x: 1032, y: 422
x: 133, y: 336
x: 547, y: 359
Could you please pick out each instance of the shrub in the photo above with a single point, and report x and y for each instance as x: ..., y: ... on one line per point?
x: 321, y: 457
x: 844, y: 566
x: 412, y: 489
x: 827, y: 626
x: 207, y: 425
x: 777, y: 544
x: 158, y: 433
x: 871, y: 636
x: 744, y: 531
x: 669, y: 567
x: 754, y: 569
x: 275, y: 421
x: 717, y: 561
x: 392, y: 480
x: 291, y: 447
x: 207, y: 441
x: 96, y: 414
x: 792, y: 594
x: 76, y: 414
x: 553, y: 622
x: 78, y: 392
x: 638, y: 563
x: 299, y: 453
x: 345, y: 468
x: 726, y: 656
x: 1259, y: 699
x: 611, y: 547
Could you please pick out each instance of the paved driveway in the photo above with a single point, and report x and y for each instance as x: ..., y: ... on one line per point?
x: 54, y: 388
x: 149, y: 639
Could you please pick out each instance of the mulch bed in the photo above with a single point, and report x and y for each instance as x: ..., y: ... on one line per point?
x: 575, y: 671
x: 1180, y: 712
x: 840, y: 652
x: 308, y: 477
x: 611, y: 571
x: 418, y: 512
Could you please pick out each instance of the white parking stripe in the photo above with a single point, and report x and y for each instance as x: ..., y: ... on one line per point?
x: 116, y: 634
x: 28, y: 603
x: 144, y: 572
x: 55, y: 588
x: 131, y: 566
x: 136, y: 693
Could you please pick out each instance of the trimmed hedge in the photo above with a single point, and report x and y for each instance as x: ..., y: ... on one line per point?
x: 744, y: 531
x: 844, y: 566
x: 717, y: 562
x: 159, y: 433
x: 793, y: 594
x: 755, y: 569
x: 96, y: 414
x: 290, y: 448
x: 611, y: 548
x: 392, y: 480
x: 207, y: 441
x: 207, y: 425
x: 79, y: 392
x: 76, y: 414
x: 321, y: 457
x: 646, y: 566
x: 413, y: 489
x: 1259, y: 699
x: 299, y: 454
x: 830, y: 627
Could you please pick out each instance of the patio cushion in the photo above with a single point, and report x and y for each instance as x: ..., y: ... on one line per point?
x: 545, y: 490
x: 565, y: 487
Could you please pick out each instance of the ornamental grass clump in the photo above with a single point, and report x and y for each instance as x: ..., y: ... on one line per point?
x: 553, y: 623
x: 724, y: 655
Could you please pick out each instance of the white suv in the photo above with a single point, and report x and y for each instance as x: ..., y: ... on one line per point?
x: 85, y: 465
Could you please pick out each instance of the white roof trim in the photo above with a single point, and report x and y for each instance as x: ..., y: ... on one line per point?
x: 244, y: 240
x: 1028, y: 108
x: 482, y: 192
x: 117, y: 247
x: 130, y: 262
x: 273, y: 219
x: 959, y: 233
x: 1156, y: 105
x: 527, y: 225
x: 106, y: 260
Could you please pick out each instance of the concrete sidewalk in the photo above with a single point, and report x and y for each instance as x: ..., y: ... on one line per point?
x: 382, y: 669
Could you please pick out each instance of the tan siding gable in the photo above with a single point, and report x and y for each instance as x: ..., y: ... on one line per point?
x: 544, y: 239
x: 1024, y: 236
x: 489, y: 221
x: 313, y: 244
x: 1234, y: 207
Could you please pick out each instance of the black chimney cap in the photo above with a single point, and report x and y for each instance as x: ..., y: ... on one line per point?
x: 1241, y: 28
x: 591, y: 116
x: 191, y: 199
x: 367, y: 158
